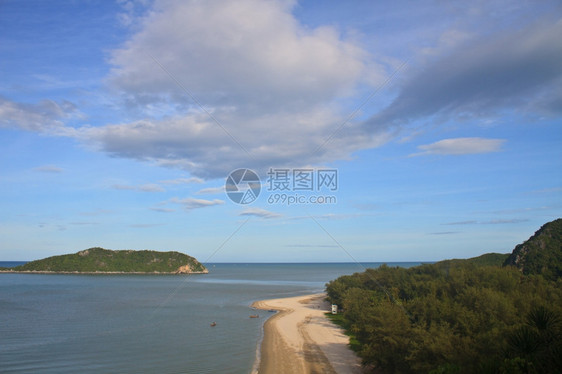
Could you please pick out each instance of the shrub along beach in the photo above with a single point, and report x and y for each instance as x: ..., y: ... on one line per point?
x: 491, y: 314
x: 496, y: 313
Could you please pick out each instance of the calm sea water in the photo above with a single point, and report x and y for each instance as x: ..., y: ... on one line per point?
x: 146, y: 323
x: 11, y: 264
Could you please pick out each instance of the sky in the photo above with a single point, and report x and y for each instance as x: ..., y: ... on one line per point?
x: 371, y: 131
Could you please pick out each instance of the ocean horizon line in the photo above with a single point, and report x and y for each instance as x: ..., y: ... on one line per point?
x: 285, y: 262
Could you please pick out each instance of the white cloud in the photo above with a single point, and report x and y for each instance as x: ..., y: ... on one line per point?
x: 327, y: 216
x: 472, y: 222
x: 151, y: 187
x: 192, y: 203
x: 145, y: 225
x: 211, y: 191
x: 504, y: 221
x: 195, y: 144
x: 80, y: 223
x: 48, y: 169
x: 97, y: 212
x: 45, y: 116
x: 131, y: 10
x: 163, y: 210
x: 461, y: 146
x: 492, y: 222
x: 123, y: 187
x: 258, y: 212
x: 190, y: 180
x: 547, y: 190
x: 271, y: 83
x: 276, y: 88
x: 516, y: 69
x: 246, y: 53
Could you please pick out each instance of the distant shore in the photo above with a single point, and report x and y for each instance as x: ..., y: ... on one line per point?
x: 98, y: 272
x: 301, y: 339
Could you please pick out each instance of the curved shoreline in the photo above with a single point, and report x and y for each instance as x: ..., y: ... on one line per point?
x: 300, y: 339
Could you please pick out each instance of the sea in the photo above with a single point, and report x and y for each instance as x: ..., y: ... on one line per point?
x: 55, y: 323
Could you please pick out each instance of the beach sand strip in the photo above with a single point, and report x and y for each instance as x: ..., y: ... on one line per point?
x: 301, y: 339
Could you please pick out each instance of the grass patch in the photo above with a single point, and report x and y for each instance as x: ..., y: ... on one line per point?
x: 339, y: 320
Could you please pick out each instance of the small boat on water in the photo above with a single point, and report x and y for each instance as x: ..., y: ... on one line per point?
x: 272, y: 311
x: 213, y: 324
x: 255, y: 316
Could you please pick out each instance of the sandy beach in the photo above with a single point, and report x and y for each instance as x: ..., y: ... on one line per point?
x: 300, y: 339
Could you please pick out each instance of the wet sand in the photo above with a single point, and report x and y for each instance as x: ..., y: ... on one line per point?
x: 300, y: 339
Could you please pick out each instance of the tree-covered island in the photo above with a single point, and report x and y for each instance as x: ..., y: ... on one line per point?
x: 99, y: 260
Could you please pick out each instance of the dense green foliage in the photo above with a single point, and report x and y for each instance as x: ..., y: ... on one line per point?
x: 542, y: 253
x: 104, y: 260
x: 456, y: 316
x: 488, y: 259
x: 450, y: 318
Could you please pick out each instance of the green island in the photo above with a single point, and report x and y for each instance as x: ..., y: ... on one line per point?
x: 496, y: 313
x: 105, y: 261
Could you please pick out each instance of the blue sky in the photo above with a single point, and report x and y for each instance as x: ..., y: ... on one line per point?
x: 120, y: 122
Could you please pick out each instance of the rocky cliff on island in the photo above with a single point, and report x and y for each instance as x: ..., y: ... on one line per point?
x: 541, y: 253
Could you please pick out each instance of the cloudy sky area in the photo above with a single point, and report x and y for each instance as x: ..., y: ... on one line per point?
x: 120, y: 121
